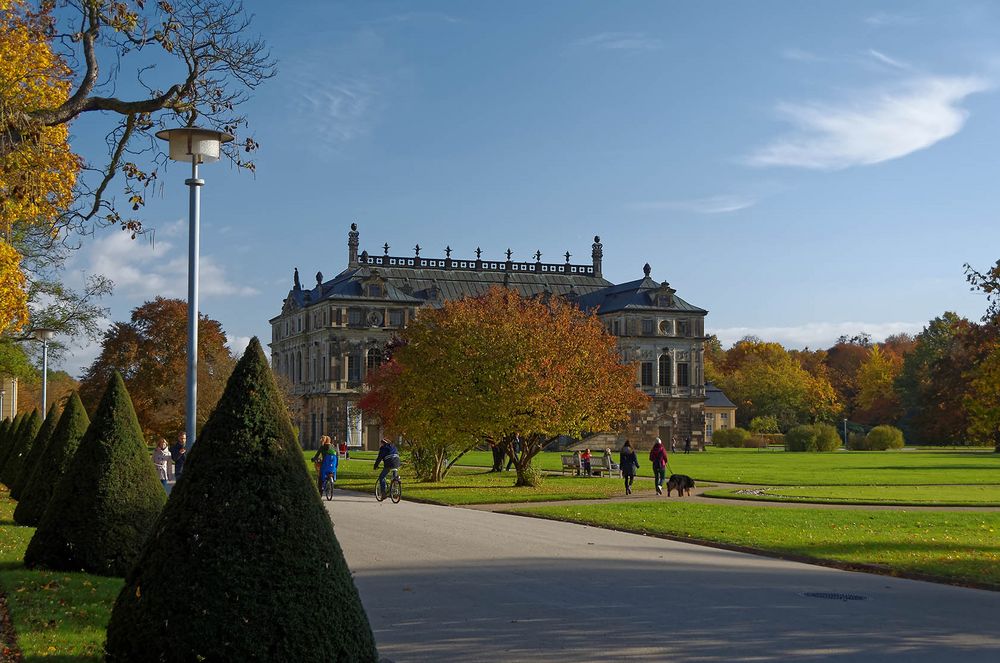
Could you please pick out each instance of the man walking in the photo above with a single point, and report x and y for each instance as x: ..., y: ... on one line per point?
x: 178, y: 453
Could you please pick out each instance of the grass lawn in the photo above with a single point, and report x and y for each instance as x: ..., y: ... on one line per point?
x: 465, y: 485
x: 58, y: 616
x: 981, y: 495
x: 961, y: 547
x: 841, y: 468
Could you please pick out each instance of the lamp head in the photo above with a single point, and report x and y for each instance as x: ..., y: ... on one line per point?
x: 43, y: 333
x: 194, y: 144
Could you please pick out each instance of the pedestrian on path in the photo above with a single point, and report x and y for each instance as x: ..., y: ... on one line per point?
x: 658, y: 457
x: 515, y: 449
x: 629, y: 464
x: 178, y: 453
x: 162, y: 461
x: 585, y: 459
x: 497, y: 457
x: 687, y: 444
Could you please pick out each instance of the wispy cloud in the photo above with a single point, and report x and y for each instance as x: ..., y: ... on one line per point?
x: 409, y: 17
x: 721, y: 204
x: 801, y: 55
x: 889, y: 19
x: 877, y: 126
x: 337, y: 109
x: 238, y: 344
x: 886, y: 60
x: 142, y: 270
x: 816, y: 334
x: 620, y: 41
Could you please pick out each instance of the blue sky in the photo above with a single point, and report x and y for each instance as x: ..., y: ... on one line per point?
x: 800, y: 169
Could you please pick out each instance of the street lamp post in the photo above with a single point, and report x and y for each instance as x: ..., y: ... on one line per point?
x: 195, y: 146
x: 3, y: 392
x: 44, y: 335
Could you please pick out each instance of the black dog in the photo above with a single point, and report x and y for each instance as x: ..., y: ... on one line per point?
x: 681, y: 482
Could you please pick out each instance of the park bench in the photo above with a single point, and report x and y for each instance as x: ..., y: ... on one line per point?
x: 597, y: 465
x: 569, y: 462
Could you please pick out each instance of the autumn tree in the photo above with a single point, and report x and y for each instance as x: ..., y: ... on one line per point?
x: 194, y: 62
x: 150, y: 352
x: 930, y: 384
x: 877, y: 401
x: 982, y: 400
x: 763, y: 379
x: 498, y: 366
x: 842, y: 363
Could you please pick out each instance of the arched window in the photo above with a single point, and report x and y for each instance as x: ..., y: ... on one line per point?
x: 664, y: 370
x: 298, y: 367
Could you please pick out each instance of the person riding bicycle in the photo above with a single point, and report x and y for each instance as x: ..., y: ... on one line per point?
x: 388, y: 455
x: 326, y: 460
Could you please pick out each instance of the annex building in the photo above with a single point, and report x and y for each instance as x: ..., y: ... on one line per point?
x: 328, y: 336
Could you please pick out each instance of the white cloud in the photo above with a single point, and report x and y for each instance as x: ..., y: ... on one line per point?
x: 721, y: 204
x: 144, y: 270
x: 886, y: 124
x: 801, y: 55
x: 817, y: 335
x: 621, y: 41
x: 238, y: 344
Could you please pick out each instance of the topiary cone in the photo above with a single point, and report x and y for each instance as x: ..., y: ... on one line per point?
x: 25, y: 435
x: 8, y: 436
x: 106, y: 502
x: 53, y: 463
x: 32, y: 452
x: 243, y: 555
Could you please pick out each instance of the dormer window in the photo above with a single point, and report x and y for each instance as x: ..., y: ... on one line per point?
x: 375, y: 290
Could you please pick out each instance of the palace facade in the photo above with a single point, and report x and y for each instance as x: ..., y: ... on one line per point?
x: 328, y: 336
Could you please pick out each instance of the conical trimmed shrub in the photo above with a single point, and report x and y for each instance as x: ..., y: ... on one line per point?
x: 25, y: 436
x: 31, y: 453
x: 8, y: 443
x: 53, y: 463
x: 4, y: 430
x: 243, y: 557
x: 106, y: 502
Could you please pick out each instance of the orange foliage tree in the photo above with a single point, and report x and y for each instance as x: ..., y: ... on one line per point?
x: 150, y: 352
x: 498, y: 366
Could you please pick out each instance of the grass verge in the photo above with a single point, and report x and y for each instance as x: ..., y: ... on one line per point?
x: 982, y: 496
x: 58, y: 616
x: 910, y: 467
x: 955, y: 547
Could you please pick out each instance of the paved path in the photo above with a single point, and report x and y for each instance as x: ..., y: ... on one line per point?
x: 448, y: 584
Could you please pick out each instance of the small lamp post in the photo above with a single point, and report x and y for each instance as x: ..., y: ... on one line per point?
x: 3, y: 392
x: 44, y: 335
x: 195, y: 146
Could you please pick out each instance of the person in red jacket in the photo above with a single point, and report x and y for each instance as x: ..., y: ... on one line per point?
x: 658, y: 457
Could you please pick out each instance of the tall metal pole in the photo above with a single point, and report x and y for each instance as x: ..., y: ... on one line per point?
x: 45, y: 374
x: 191, y: 404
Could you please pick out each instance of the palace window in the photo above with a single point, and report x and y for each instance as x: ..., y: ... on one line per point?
x: 374, y: 290
x: 647, y: 374
x: 682, y: 375
x: 353, y: 369
x: 616, y: 327
x: 374, y: 359
x: 664, y: 370
x: 647, y: 327
x: 683, y: 328
x: 396, y: 318
x: 354, y: 317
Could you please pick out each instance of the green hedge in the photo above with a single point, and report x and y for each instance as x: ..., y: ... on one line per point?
x: 31, y: 456
x: 52, y: 465
x: 104, y: 506
x: 812, y: 437
x: 880, y: 438
x: 730, y: 437
x: 243, y: 561
x: 25, y: 435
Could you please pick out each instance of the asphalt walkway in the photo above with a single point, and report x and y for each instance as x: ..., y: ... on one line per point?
x: 449, y: 584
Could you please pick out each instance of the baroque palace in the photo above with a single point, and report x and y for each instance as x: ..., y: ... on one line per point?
x: 329, y: 336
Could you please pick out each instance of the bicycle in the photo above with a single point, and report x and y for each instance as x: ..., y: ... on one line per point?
x: 328, y: 483
x: 395, y: 488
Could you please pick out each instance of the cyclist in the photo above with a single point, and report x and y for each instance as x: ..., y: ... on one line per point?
x: 388, y: 455
x: 326, y: 460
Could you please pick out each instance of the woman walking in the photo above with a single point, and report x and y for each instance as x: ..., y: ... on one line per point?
x: 628, y: 463
x: 161, y: 459
x: 658, y: 457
